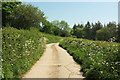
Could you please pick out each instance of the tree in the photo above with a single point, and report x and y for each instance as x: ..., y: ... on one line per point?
x: 48, y: 27
x: 118, y: 33
x: 79, y: 32
x: 61, y: 28
x: 74, y: 27
x: 73, y: 30
x: 65, y: 28
x: 64, y: 25
x: 7, y: 10
x: 102, y: 34
x: 107, y: 32
x: 87, y: 30
x: 95, y: 27
x: 57, y: 30
x: 56, y: 23
x: 112, y: 29
x: 25, y: 16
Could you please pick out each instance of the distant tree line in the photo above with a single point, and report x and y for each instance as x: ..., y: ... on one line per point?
x: 21, y: 16
x: 97, y: 31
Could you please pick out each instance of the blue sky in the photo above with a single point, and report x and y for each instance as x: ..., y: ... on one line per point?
x: 79, y: 12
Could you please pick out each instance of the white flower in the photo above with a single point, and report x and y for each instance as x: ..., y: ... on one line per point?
x: 25, y: 44
x: 26, y: 51
x: 112, y: 67
x: 1, y: 59
x: 101, y: 71
x: 18, y: 35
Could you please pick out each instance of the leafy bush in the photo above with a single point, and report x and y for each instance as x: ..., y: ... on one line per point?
x: 99, y: 60
x: 21, y: 49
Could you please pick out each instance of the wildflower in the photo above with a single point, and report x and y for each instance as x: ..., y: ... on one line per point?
x: 101, y: 72
x: 1, y: 59
x: 18, y: 35
x: 26, y: 51
x: 112, y: 67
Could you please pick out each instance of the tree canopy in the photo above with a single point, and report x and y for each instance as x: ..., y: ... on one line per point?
x: 7, y: 10
x: 25, y: 16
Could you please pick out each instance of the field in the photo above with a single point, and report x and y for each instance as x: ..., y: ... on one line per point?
x: 99, y: 60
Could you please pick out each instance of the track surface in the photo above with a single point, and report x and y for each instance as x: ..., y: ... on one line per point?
x: 55, y: 63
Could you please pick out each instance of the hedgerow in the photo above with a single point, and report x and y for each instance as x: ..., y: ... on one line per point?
x: 21, y: 49
x: 99, y: 60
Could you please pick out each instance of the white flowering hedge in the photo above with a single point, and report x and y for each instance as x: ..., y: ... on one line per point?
x: 21, y: 49
x: 99, y: 60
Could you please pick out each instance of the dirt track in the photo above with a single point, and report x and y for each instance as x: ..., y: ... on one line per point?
x: 55, y: 63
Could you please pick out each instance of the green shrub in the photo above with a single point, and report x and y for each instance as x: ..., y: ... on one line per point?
x: 21, y: 49
x: 99, y: 60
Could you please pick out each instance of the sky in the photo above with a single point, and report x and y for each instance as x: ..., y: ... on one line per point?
x: 79, y: 12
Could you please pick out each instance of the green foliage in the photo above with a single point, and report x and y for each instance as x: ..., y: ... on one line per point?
x: 102, y: 34
x: 61, y: 28
x: 118, y: 32
x: 87, y: 30
x: 52, y: 38
x: 56, y: 23
x: 79, y: 32
x: 96, y: 31
x: 64, y: 25
x: 47, y: 27
x: 99, y: 60
x: 21, y: 49
x: 25, y: 16
x: 95, y: 27
x: 107, y: 32
x: 7, y: 10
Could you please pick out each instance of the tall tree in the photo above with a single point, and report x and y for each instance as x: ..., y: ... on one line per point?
x: 102, y: 34
x: 56, y: 23
x: 48, y: 27
x: 95, y: 27
x: 79, y: 32
x: 87, y: 30
x: 118, y: 33
x: 65, y: 29
x: 57, y: 30
x: 7, y: 10
x: 25, y: 16
x: 64, y: 25
x: 74, y: 27
x: 112, y: 29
